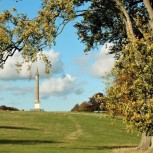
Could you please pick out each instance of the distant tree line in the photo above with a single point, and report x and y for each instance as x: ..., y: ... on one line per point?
x: 3, y: 107
x: 96, y: 103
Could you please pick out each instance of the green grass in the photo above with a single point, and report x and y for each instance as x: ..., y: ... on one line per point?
x: 46, y: 132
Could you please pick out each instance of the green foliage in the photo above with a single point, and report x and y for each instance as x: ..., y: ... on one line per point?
x: 98, y: 24
x: 96, y: 103
x: 139, y: 115
x: 75, y: 108
x: 30, y: 36
x: 131, y: 92
x: 83, y: 107
x: 5, y: 108
x: 98, y: 20
x: 111, y: 21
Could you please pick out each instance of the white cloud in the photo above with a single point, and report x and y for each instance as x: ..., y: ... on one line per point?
x: 60, y: 87
x: 104, y: 62
x: 17, y: 91
x: 96, y: 64
x: 9, y: 72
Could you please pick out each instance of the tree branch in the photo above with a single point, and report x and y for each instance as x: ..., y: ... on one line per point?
x: 149, y: 8
x: 129, y: 23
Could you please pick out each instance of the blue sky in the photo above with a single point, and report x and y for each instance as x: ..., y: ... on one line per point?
x: 74, y: 76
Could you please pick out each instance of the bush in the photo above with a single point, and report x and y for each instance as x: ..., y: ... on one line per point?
x: 3, y: 107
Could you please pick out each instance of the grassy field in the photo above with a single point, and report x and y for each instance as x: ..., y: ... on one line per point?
x: 46, y: 132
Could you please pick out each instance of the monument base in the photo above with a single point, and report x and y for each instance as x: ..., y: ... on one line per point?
x: 37, y: 110
x: 37, y: 106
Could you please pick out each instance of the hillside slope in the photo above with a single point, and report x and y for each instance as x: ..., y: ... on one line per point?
x: 54, y: 132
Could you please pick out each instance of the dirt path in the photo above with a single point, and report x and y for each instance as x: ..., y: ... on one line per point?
x: 78, y: 132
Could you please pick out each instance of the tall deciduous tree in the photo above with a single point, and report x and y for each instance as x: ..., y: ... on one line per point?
x: 132, y: 92
x: 128, y: 24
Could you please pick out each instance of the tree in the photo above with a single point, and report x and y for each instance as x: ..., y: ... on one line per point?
x: 113, y: 21
x: 18, y: 33
x: 84, y: 107
x: 5, y: 108
x: 75, y: 108
x: 131, y: 92
x: 97, y: 102
x: 133, y: 23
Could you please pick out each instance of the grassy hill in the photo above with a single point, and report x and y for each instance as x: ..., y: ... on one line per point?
x: 46, y: 132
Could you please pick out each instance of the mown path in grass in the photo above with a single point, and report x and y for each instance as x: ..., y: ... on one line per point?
x: 54, y: 132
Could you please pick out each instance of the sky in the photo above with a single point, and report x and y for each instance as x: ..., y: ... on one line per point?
x: 75, y: 76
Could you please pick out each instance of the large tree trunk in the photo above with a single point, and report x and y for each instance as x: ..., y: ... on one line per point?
x: 146, y: 142
x: 149, y: 8
x: 151, y: 146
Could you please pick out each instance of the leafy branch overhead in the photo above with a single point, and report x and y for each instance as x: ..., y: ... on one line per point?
x: 101, y: 21
x: 30, y: 36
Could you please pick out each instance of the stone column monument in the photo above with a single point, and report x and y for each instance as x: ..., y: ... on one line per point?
x: 37, y: 102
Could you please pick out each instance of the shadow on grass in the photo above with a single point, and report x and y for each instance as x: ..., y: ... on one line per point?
x: 26, y: 142
x: 17, y: 128
x: 112, y: 147
x: 104, y: 147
